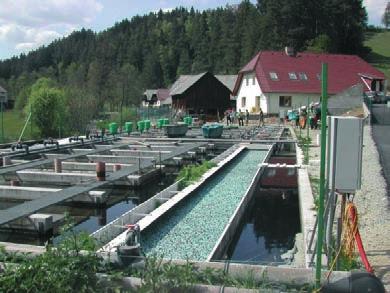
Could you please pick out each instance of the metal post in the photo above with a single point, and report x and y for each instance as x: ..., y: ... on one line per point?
x: 320, y: 234
x: 307, y: 127
x: 299, y: 120
x: 159, y: 154
x: 139, y: 162
x: 57, y: 165
x: 31, y: 123
x: 101, y: 171
x: 2, y: 122
x: 338, y: 240
x: 307, y: 118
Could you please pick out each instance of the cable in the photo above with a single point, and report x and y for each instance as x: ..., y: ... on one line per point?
x: 350, y: 235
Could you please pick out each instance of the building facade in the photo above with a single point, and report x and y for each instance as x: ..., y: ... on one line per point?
x: 279, y: 81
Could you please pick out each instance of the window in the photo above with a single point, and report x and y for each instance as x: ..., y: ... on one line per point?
x: 285, y: 101
x: 247, y: 81
x: 318, y: 76
x: 292, y: 75
x: 254, y: 81
x: 302, y: 76
x: 273, y: 75
x: 243, y: 102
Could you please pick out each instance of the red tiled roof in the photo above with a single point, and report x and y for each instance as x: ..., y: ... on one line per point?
x: 344, y: 71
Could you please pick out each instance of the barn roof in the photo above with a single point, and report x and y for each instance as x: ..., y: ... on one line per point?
x: 160, y: 94
x: 344, y: 71
x: 184, y: 82
x: 163, y: 94
x: 228, y: 80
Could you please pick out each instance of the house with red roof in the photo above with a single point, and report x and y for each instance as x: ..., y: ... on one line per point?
x: 279, y: 81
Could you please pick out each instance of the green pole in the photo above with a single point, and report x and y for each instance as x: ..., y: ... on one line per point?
x: 2, y: 122
x: 31, y: 125
x: 307, y: 127
x: 307, y: 117
x: 320, y: 216
x: 299, y: 124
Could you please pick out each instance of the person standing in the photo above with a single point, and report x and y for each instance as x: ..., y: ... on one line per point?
x: 232, y: 116
x: 246, y: 117
x: 240, y: 118
x: 261, y: 118
x: 228, y: 118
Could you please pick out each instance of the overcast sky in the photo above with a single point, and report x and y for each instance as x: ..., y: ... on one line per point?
x: 28, y: 24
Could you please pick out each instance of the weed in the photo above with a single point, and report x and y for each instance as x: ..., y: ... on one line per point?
x: 192, y: 173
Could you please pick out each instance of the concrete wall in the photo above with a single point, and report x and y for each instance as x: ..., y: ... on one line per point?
x: 347, y: 100
x: 114, y: 228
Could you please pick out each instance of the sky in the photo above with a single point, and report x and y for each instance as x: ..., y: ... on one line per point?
x: 28, y: 24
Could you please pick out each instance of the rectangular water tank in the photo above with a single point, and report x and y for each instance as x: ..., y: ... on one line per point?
x: 345, y: 145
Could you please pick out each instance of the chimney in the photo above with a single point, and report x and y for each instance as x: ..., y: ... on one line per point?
x: 290, y: 51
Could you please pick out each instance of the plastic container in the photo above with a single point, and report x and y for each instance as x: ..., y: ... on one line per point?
x: 129, y: 127
x: 147, y: 124
x: 188, y: 120
x: 113, y: 128
x: 212, y: 130
x: 160, y: 123
x: 141, y: 126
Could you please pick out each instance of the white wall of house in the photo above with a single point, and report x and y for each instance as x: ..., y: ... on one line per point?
x: 297, y: 100
x: 249, y: 96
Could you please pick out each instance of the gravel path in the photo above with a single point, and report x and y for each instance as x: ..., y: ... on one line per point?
x: 192, y: 230
x: 372, y: 203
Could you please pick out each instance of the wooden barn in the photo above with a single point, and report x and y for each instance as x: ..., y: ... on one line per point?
x: 203, y: 94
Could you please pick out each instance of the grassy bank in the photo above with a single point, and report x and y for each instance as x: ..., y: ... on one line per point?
x: 13, y: 125
x: 380, y: 55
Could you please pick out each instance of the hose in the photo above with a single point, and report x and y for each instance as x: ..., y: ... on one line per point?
x: 352, y: 234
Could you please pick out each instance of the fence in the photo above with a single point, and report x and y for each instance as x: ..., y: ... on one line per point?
x: 154, y: 113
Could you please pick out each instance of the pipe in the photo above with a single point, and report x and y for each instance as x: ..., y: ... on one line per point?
x: 15, y: 183
x: 101, y: 171
x: 57, y: 165
x: 352, y: 217
x: 358, y: 282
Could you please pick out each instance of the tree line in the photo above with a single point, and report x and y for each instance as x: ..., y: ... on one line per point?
x: 113, y: 67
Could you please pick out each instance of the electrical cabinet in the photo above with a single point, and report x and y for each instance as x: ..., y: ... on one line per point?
x: 345, y: 147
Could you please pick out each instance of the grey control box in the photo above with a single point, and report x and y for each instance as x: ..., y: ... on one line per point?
x: 345, y: 148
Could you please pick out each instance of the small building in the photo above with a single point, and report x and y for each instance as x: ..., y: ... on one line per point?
x: 3, y: 96
x: 157, y: 98
x: 203, y: 93
x: 278, y: 81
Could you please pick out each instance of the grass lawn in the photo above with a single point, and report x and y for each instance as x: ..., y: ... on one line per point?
x: 13, y: 125
x: 380, y: 55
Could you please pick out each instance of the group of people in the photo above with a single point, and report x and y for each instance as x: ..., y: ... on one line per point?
x: 231, y: 116
x: 306, y: 117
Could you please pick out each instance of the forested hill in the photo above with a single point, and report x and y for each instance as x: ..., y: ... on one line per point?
x: 151, y: 51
